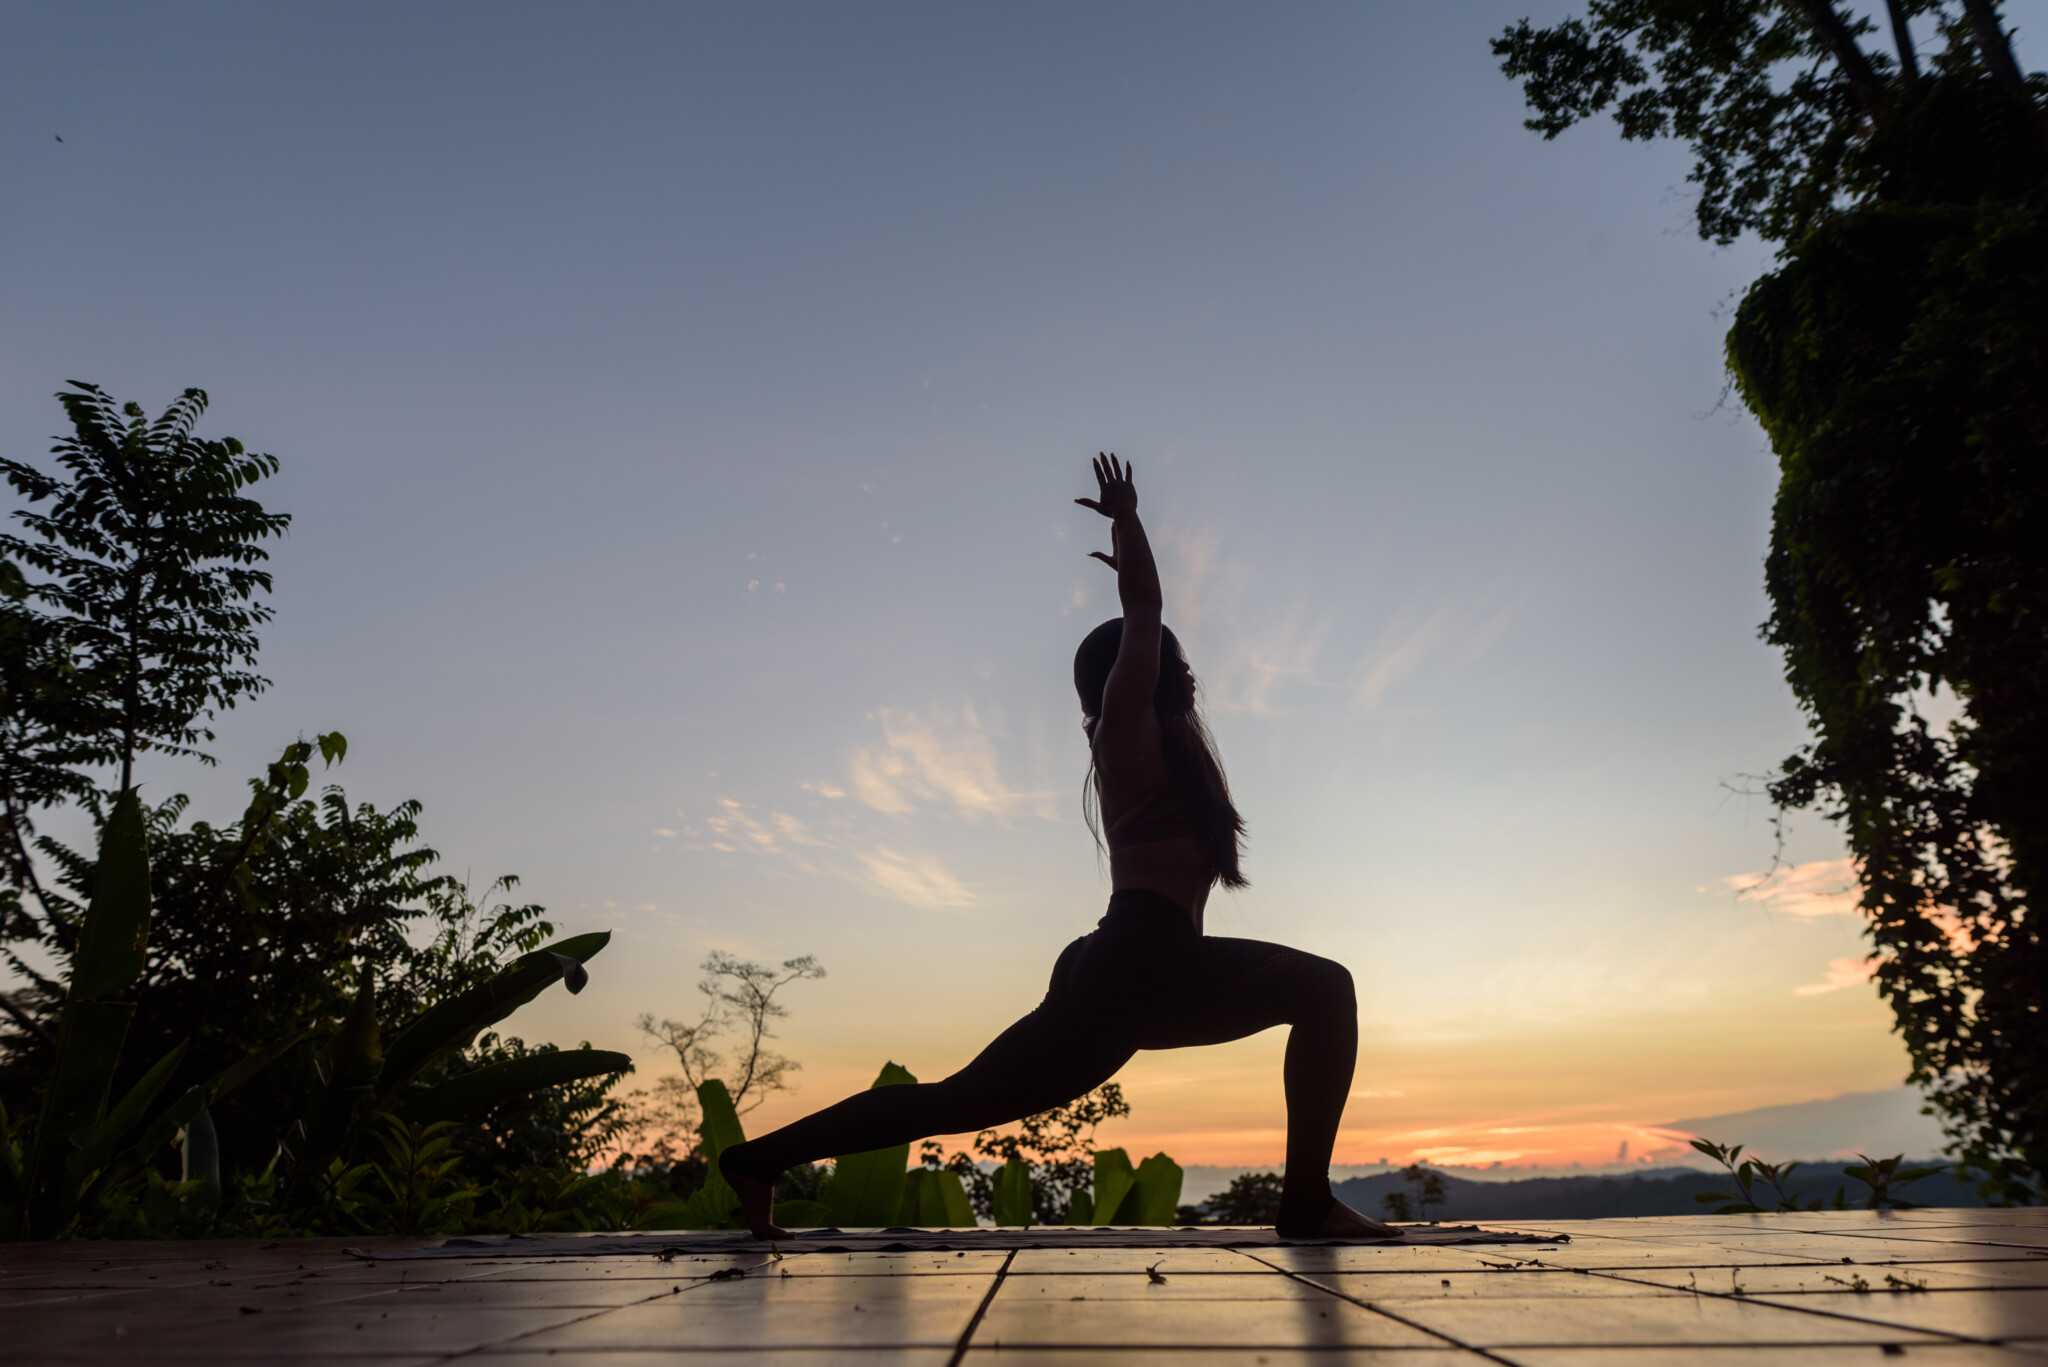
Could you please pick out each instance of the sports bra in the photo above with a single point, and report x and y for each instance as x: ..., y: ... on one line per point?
x: 1162, y: 814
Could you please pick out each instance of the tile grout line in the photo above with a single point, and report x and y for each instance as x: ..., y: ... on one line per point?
x: 1951, y: 1335
x: 1488, y: 1354
x: 499, y: 1344
x: 967, y: 1334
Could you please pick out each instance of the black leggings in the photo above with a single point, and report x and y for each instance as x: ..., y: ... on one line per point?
x: 1143, y: 979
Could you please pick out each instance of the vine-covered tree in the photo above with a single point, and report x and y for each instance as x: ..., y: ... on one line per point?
x: 1897, y: 358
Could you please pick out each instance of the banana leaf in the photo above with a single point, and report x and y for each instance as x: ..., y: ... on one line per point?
x: 110, y: 956
x: 802, y: 1214
x: 865, y: 1190
x: 714, y: 1204
x: 946, y: 1204
x: 89, y: 1039
x: 202, y: 1158
x: 709, y: 1207
x: 1080, y: 1207
x: 353, y: 1067
x: 1114, y: 1180
x: 198, y: 1097
x: 475, y: 1092
x: 111, y: 943
x: 1012, y: 1203
x: 452, y: 1024
x: 13, y: 1190
x: 933, y: 1199
x: 1158, y: 1191
x: 911, y: 1211
x: 95, y: 1147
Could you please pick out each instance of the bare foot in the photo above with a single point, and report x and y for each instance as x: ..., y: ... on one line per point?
x: 757, y: 1200
x: 1345, y: 1223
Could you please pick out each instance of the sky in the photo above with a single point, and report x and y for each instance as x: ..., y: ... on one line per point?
x: 680, y: 409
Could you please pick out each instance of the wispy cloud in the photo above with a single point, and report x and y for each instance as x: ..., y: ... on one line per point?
x: 734, y: 828
x: 942, y: 759
x: 1852, y: 971
x: 919, y: 880
x: 1458, y: 629
x: 1824, y: 887
x: 1299, y: 638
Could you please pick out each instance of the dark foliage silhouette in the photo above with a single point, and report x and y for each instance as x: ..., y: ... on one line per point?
x: 1898, y: 360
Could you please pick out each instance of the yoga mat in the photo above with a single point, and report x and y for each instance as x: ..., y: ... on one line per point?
x: 699, y: 1242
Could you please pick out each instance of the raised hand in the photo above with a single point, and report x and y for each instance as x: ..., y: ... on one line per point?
x: 1115, y: 494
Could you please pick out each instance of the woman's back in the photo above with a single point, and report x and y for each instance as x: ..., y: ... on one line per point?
x: 1151, y: 824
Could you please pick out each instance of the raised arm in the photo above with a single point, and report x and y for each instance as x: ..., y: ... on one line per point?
x: 1127, y: 697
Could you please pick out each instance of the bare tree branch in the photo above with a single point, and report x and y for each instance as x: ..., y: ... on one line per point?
x: 739, y: 999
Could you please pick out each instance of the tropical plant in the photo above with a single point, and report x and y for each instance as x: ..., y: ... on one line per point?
x: 78, y: 1141
x: 1055, y: 1150
x: 1882, y: 1175
x: 1122, y: 1195
x: 1898, y: 360
x: 1746, y: 1197
x: 75, y: 1150
x: 875, y: 1190
x: 420, y: 1192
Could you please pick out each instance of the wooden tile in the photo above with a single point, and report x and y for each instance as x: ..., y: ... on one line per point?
x: 1133, y: 1261
x: 1673, y: 1320
x: 360, y: 1329
x: 1370, y: 1259
x: 1634, y: 1253
x: 841, y: 1356
x: 1805, y: 1355
x: 1523, y: 1285
x: 797, y: 1312
x: 1206, y: 1355
x: 2003, y: 1313
x: 982, y: 1261
x: 1176, y: 1286
x: 610, y: 1269
x: 1321, y: 1324
x: 1829, y: 1277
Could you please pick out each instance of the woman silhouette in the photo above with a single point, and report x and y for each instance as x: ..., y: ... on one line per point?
x: 1146, y: 977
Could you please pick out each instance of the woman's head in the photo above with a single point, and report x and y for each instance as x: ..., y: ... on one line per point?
x: 1174, y: 694
x: 1185, y: 743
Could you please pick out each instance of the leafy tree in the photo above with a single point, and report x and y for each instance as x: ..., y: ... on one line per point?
x: 1898, y: 360
x: 1253, y: 1198
x: 1425, y: 1194
x: 1777, y: 98
x: 141, y: 619
x: 153, y: 557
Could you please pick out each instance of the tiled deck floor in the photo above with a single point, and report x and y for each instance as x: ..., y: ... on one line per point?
x: 1947, y: 1287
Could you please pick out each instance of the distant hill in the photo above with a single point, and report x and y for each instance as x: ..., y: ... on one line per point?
x: 1659, y: 1191
x: 1876, y: 1123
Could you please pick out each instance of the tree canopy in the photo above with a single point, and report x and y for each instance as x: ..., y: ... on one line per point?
x: 1897, y: 359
